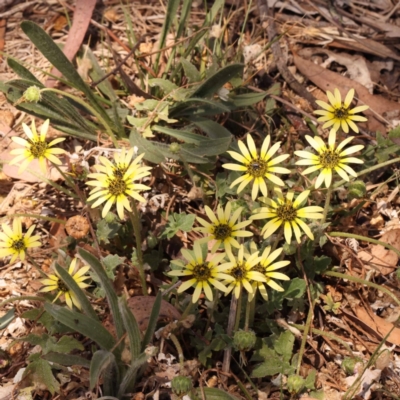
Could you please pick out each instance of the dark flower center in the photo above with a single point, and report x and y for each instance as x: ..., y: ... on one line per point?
x: 61, y: 286
x: 341, y: 113
x: 38, y: 148
x: 286, y: 212
x: 117, y: 186
x: 238, y: 272
x: 329, y: 159
x: 257, y: 168
x: 222, y: 232
x: 202, y: 272
x: 18, y: 244
x: 259, y: 268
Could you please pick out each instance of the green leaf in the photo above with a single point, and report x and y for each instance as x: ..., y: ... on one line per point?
x: 79, y: 293
x: 191, y: 72
x: 215, y: 82
x: 132, y: 329
x: 178, y: 222
x: 166, y: 85
x: 82, y: 324
x: 309, y: 382
x: 394, y: 136
x: 66, y: 359
x: 195, y: 106
x: 151, y: 327
x: 54, y: 54
x: 100, y: 361
x: 215, y: 394
x: 106, y: 284
x: 247, y: 99
x: 40, y: 371
x: 284, y: 345
x: 23, y: 72
x: 7, y: 318
x: 107, y: 230
x: 111, y: 262
x: 211, y: 128
x: 66, y: 344
x: 153, y: 153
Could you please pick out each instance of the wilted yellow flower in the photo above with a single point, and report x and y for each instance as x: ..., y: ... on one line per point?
x: 287, y: 212
x: 258, y: 167
x: 329, y: 158
x: 338, y: 114
x: 14, y: 243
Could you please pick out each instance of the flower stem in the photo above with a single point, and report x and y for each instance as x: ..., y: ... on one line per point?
x: 327, y: 203
x: 135, y: 220
x: 229, y: 330
x: 250, y: 308
x: 178, y: 347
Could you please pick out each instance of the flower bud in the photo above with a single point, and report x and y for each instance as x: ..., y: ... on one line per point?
x: 175, y: 148
x: 357, y: 190
x: 110, y: 217
x: 295, y: 384
x: 348, y: 365
x: 181, y: 385
x: 244, y: 340
x: 32, y: 94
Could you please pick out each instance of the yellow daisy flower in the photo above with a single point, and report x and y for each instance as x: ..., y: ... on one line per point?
x: 240, y: 269
x: 36, y: 147
x: 14, y: 243
x: 54, y: 282
x: 338, y: 114
x: 202, y: 273
x: 287, y: 212
x: 258, y: 166
x: 223, y: 227
x: 115, y: 182
x: 267, y: 267
x: 329, y: 159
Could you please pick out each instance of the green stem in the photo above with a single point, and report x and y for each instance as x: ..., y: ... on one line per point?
x: 135, y: 220
x: 247, y: 316
x: 365, y: 239
x: 327, y: 203
x: 307, y: 328
x: 238, y: 311
x: 229, y: 330
x: 88, y: 107
x: 178, y: 347
x: 278, y: 239
x: 188, y: 310
x: 363, y: 282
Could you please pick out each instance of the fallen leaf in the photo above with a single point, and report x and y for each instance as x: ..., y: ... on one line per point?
x: 379, y: 325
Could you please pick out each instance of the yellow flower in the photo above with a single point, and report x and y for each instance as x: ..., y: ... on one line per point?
x: 54, y: 282
x: 223, y: 227
x: 14, y: 243
x: 267, y: 267
x: 329, y: 159
x: 338, y: 114
x: 36, y: 147
x: 258, y: 166
x: 115, y: 182
x: 286, y: 212
x: 202, y: 273
x: 241, y: 271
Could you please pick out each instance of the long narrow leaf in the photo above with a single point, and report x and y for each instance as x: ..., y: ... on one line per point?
x: 151, y: 327
x: 100, y: 361
x: 83, y: 324
x: 132, y: 329
x: 66, y: 359
x: 53, y: 53
x: 112, y: 298
x: 130, y: 375
x: 79, y: 293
